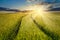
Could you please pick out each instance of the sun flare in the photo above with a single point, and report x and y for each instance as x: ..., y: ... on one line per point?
x: 37, y: 9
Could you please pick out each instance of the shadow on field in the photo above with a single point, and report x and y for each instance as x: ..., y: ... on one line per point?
x: 48, y: 33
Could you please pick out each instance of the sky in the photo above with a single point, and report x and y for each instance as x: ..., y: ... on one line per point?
x: 20, y: 3
x: 12, y: 3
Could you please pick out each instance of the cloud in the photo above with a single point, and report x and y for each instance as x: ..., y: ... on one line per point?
x: 41, y: 1
x: 30, y: 0
x: 35, y: 1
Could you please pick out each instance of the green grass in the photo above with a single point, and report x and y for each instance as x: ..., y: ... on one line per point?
x: 21, y: 26
x: 8, y: 25
x: 49, y: 23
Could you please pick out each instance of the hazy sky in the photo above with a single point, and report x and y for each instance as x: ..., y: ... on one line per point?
x: 20, y: 3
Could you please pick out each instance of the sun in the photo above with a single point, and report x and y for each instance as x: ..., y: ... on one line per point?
x: 38, y: 9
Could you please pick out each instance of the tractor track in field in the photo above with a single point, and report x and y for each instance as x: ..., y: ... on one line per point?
x: 48, y: 33
x: 18, y: 26
x: 15, y: 31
